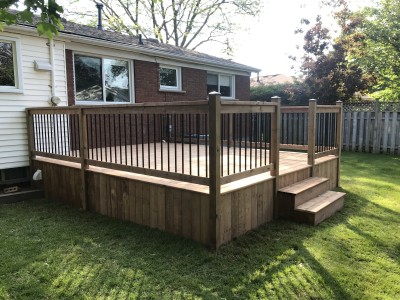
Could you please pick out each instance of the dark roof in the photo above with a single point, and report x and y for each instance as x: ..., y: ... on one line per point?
x: 149, y: 46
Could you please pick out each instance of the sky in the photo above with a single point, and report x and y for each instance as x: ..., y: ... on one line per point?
x: 271, y: 38
x: 267, y: 41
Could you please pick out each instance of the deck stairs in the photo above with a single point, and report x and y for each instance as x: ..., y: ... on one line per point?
x: 309, y: 201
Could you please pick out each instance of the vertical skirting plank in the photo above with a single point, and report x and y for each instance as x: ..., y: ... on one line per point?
x: 154, y: 207
x: 146, y: 204
x: 187, y: 214
x: 105, y: 194
x: 260, y: 203
x: 235, y: 214
x: 242, y: 211
x: 226, y: 218
x: 132, y: 201
x: 177, y: 199
x: 161, y: 207
x: 113, y: 196
x: 169, y: 210
x: 90, y: 192
x: 205, y: 219
x: 125, y: 205
x: 254, y: 207
x: 196, y: 217
x: 139, y: 202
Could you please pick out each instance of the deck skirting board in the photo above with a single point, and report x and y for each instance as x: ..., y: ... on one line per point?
x: 177, y: 207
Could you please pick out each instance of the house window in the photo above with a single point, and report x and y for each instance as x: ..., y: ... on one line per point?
x: 170, y: 78
x: 101, y: 79
x: 10, y: 71
x: 224, y: 84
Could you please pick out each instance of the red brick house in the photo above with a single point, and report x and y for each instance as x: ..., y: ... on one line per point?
x: 87, y: 66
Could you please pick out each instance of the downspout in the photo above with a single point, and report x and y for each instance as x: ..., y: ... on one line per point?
x: 54, y: 100
x: 53, y: 77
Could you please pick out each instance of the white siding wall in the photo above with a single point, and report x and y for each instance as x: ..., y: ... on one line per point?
x: 36, y: 93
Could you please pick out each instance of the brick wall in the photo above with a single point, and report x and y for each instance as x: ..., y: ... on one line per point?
x: 242, y: 84
x: 194, y: 83
x: 147, y: 85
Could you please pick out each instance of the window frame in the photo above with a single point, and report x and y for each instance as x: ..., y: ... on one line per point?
x: 17, y: 63
x: 103, y: 80
x: 233, y: 87
x: 178, y: 70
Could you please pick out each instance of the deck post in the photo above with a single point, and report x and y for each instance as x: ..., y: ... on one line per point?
x: 274, y: 150
x: 312, y: 117
x: 339, y: 137
x: 214, y: 119
x: 83, y: 155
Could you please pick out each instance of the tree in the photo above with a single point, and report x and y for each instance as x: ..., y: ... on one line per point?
x: 329, y: 71
x: 296, y: 93
x: 380, y: 53
x: 184, y: 23
x: 50, y: 18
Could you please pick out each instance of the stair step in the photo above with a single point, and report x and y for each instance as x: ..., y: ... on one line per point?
x: 300, y: 192
x: 303, y: 185
x: 319, y: 208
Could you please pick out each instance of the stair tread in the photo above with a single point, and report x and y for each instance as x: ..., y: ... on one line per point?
x: 304, y: 185
x: 316, y: 204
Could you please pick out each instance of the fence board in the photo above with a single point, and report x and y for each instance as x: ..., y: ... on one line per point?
x: 372, y: 128
x: 393, y: 133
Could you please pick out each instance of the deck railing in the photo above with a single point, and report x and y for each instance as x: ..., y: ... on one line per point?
x: 171, y: 140
x: 186, y: 141
x: 314, y: 125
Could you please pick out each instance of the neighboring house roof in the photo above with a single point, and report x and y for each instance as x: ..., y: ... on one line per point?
x: 272, y: 79
x: 149, y: 46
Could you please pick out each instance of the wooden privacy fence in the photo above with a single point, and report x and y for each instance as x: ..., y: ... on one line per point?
x: 372, y: 127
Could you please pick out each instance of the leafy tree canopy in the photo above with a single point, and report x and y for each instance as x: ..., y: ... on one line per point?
x: 380, y: 53
x: 49, y: 11
x: 329, y: 71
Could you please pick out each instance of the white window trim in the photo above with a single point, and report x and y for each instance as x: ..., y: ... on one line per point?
x: 178, y: 79
x: 17, y: 61
x: 104, y: 102
x: 233, y: 87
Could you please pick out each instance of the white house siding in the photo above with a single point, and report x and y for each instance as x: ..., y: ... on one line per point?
x: 36, y: 93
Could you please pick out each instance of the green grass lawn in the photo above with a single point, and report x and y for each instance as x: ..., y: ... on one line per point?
x: 52, y: 251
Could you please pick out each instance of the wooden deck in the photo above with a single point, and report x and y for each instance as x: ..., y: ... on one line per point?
x: 202, y: 190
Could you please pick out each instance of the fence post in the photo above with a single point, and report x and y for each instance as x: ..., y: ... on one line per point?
x: 339, y: 137
x: 83, y: 155
x: 214, y: 119
x: 312, y: 116
x: 274, y: 148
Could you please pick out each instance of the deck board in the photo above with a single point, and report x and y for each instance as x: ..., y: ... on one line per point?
x: 193, y: 159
